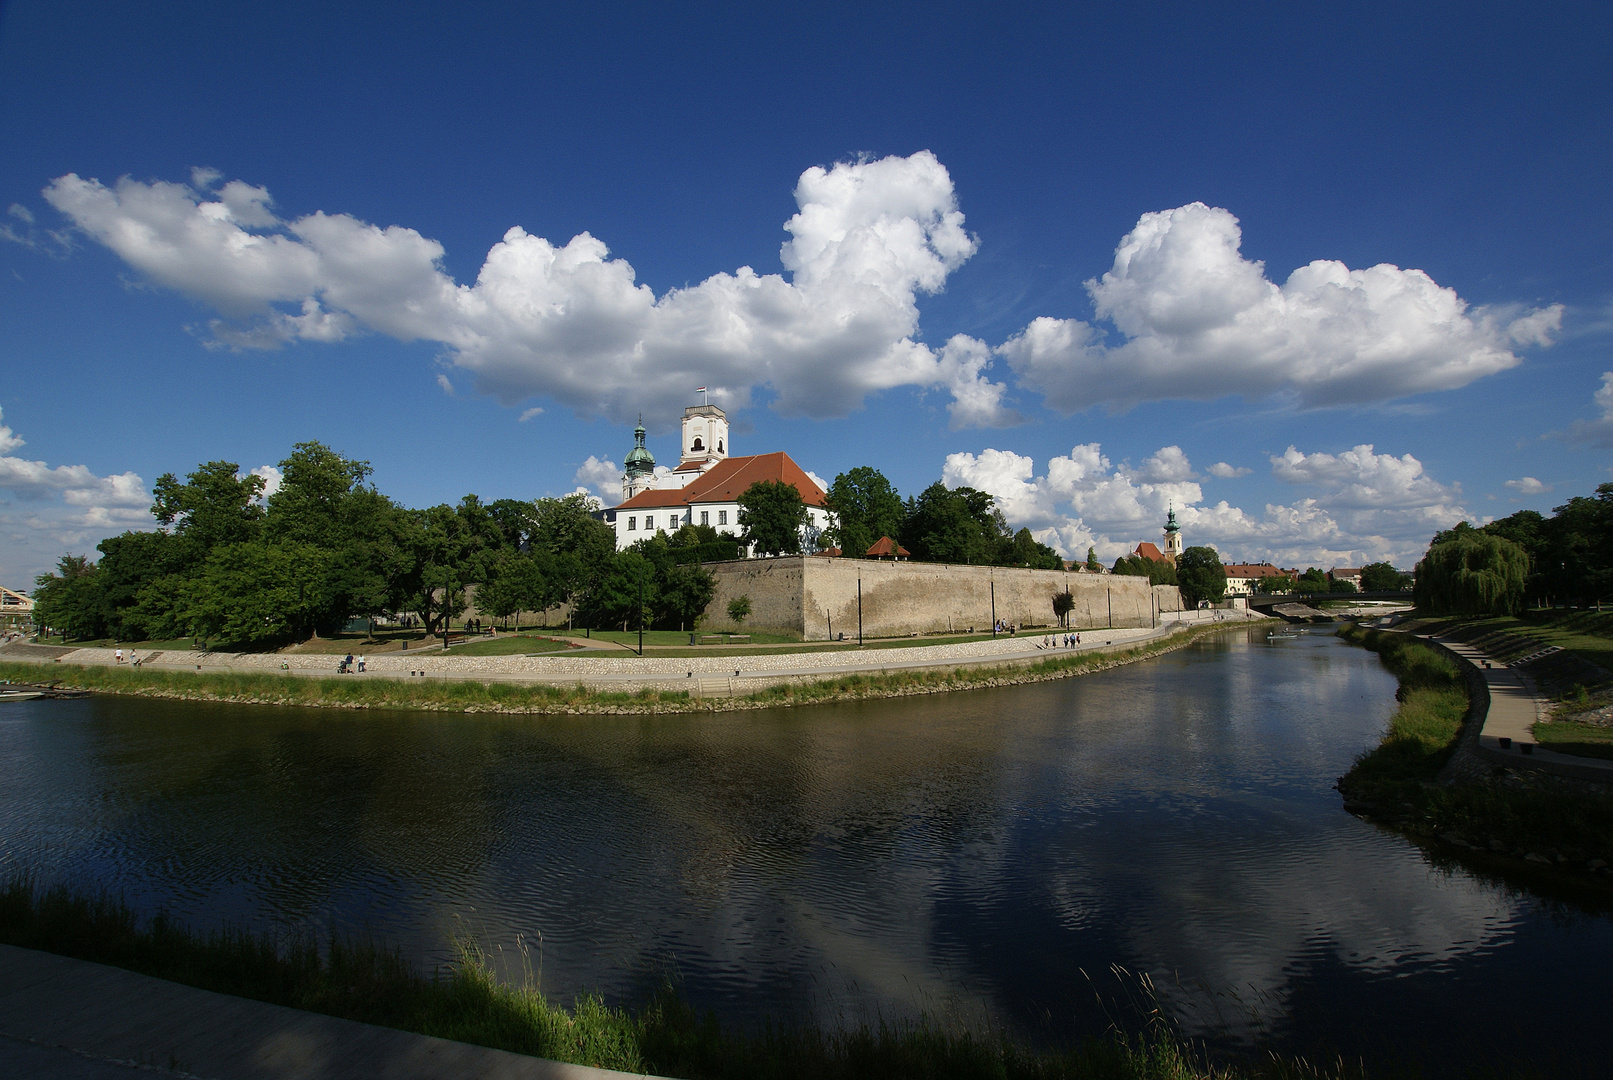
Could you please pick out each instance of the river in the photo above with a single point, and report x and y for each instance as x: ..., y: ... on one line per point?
x: 993, y: 855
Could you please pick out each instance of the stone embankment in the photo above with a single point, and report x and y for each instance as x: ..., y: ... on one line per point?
x: 702, y: 675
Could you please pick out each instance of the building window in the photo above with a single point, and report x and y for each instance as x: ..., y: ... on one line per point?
x: 705, y: 517
x: 632, y: 524
x: 722, y: 517
x: 696, y: 445
x: 719, y: 446
x: 649, y: 522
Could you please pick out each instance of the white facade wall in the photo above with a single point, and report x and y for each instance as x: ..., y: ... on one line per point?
x: 634, y: 525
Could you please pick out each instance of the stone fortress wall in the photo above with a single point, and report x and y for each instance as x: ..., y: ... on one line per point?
x: 808, y: 594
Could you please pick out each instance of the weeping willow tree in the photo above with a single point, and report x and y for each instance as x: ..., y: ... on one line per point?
x: 1473, y: 573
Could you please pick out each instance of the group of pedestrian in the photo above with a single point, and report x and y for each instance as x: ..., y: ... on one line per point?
x: 346, y: 665
x: 1066, y: 641
x: 1006, y: 628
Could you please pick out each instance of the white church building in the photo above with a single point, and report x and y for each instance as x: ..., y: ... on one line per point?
x: 705, y: 487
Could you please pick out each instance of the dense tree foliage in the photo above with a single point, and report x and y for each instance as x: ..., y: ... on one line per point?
x: 235, y: 569
x: 1157, y: 571
x: 864, y: 506
x: 1200, y: 575
x: 1382, y: 577
x: 772, y: 518
x: 1472, y: 573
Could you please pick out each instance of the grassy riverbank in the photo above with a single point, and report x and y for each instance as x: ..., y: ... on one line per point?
x: 1518, y: 814
x: 469, y: 695
x: 370, y: 983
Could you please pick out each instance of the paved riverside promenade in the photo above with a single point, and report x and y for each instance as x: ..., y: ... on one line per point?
x: 1506, y: 737
x: 65, y: 1019
x: 622, y: 671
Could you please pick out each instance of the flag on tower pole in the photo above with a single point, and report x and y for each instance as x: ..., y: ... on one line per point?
x: 702, y: 390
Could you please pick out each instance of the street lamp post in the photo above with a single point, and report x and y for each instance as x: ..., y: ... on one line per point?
x: 859, y: 611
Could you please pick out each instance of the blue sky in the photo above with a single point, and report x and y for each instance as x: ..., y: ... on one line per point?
x: 1050, y: 253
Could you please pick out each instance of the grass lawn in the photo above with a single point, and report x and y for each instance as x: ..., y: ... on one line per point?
x: 672, y: 637
x: 1587, y: 634
x: 512, y: 645
x: 1567, y: 737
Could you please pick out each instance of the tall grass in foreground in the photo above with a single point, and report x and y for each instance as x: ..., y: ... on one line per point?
x: 360, y: 980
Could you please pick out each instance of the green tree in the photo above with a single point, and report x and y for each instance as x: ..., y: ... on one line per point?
x: 518, y: 583
x: 1025, y: 550
x: 1093, y: 565
x: 865, y: 506
x: 772, y: 517
x: 255, y: 594
x: 689, y: 536
x: 1341, y: 585
x: 1380, y: 577
x: 685, y: 592
x: 627, y: 593
x: 739, y: 608
x: 130, y: 565
x: 1282, y: 583
x: 1157, y: 571
x: 70, y: 600
x: 953, y: 525
x: 1473, y: 573
x: 215, y: 505
x: 1312, y: 581
x: 1200, y: 575
x: 1063, y: 604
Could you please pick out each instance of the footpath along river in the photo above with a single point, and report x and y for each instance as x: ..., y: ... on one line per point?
x: 967, y: 854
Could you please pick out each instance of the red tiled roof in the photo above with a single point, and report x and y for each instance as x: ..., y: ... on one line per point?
x: 654, y: 499
x: 1148, y: 550
x: 886, y: 546
x: 828, y: 553
x: 1252, y: 570
x: 728, y: 479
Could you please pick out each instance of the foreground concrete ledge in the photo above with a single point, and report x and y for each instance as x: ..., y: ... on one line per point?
x: 117, y: 1018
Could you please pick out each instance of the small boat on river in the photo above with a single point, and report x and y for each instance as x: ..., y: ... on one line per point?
x: 29, y: 691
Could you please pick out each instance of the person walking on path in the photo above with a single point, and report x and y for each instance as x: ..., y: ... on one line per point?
x: 118, y: 653
x: 361, y: 662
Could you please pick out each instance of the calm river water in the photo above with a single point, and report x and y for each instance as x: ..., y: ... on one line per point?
x: 988, y: 855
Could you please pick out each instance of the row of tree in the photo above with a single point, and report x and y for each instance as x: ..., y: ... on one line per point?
x: 233, y: 567
x: 940, y: 524
x: 1525, y: 560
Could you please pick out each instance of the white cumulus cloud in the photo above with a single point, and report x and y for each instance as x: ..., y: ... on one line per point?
x: 1366, y: 506
x: 602, y: 478
x: 1528, y: 485
x: 1598, y: 432
x: 1227, y: 472
x: 568, y: 321
x: 1197, y: 320
x: 272, y: 479
x: 58, y: 508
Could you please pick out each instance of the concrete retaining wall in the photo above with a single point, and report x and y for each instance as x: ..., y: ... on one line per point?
x: 815, y: 596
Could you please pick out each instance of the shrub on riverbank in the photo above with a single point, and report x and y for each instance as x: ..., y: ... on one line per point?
x: 1515, y: 814
x: 364, y: 981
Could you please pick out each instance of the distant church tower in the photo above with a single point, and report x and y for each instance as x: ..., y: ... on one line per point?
x: 1173, y: 536
x: 705, y: 437
x: 640, y: 471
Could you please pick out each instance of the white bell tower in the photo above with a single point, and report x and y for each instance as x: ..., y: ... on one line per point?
x: 705, y: 436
